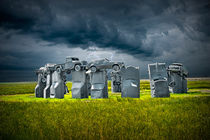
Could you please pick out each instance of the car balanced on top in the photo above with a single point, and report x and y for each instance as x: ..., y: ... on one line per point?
x: 104, y: 64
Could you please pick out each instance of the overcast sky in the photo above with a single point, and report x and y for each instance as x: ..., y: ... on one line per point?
x: 138, y: 32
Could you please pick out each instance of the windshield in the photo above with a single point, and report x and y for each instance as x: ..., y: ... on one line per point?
x: 71, y: 59
x: 75, y: 59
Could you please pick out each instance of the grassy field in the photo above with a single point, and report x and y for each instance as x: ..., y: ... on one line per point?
x: 182, y: 116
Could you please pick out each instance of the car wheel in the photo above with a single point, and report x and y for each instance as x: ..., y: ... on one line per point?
x: 77, y: 67
x: 93, y: 69
x: 116, y: 67
x: 58, y: 69
x: 43, y: 80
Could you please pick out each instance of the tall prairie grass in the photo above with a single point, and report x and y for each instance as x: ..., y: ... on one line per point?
x: 182, y: 116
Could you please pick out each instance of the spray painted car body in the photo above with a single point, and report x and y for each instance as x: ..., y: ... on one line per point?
x: 116, y: 81
x: 130, y: 82
x: 58, y: 86
x: 158, y: 80
x: 72, y: 63
x: 179, y: 68
x: 50, y: 68
x: 177, y: 78
x: 51, y: 81
x: 104, y: 64
x: 98, y: 81
x: 80, y: 82
x: 41, y: 83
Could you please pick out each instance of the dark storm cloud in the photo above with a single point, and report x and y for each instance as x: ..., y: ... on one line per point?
x: 106, y: 24
x: 160, y: 30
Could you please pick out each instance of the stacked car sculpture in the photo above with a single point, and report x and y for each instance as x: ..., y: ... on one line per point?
x: 165, y: 80
x: 91, y: 79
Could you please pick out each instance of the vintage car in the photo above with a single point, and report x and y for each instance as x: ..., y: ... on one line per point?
x: 73, y: 63
x: 158, y: 80
x: 177, y: 74
x: 177, y: 68
x: 104, y: 64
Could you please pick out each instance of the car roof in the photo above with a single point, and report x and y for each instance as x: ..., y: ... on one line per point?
x: 71, y: 57
x: 178, y: 64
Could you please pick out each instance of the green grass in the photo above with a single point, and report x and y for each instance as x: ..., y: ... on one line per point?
x: 13, y: 88
x: 182, y: 116
x: 202, y: 84
x: 17, y: 88
x: 28, y: 87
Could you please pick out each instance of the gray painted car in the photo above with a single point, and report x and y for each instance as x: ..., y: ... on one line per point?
x: 72, y: 63
x: 158, y: 80
x: 41, y: 83
x: 178, y: 68
x: 130, y: 82
x: 177, y: 78
x: 104, y: 64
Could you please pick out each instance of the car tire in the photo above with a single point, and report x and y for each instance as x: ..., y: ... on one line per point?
x: 116, y: 67
x: 43, y: 80
x: 93, y: 69
x: 77, y: 67
x: 58, y: 69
